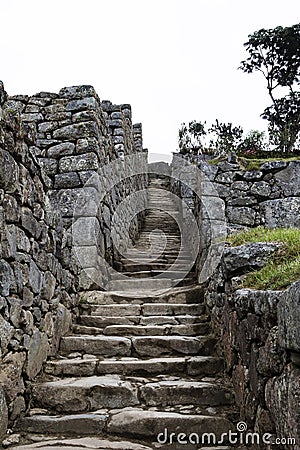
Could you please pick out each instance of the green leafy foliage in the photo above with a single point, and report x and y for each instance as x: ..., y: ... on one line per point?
x: 190, y: 137
x: 283, y: 268
x: 276, y: 54
x: 227, y: 137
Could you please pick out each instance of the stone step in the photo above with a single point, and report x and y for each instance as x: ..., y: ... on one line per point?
x: 92, y: 424
x: 195, y: 329
x: 153, y: 424
x: 147, y: 283
x: 176, y: 274
x: 185, y: 294
x: 44, y: 442
x: 166, y: 393
x: 149, y: 309
x: 156, y: 346
x: 143, y: 346
x: 104, y: 321
x: 83, y: 394
x: 152, y: 266
x: 74, y: 395
x: 96, y: 345
x: 171, y: 253
x: 190, y: 366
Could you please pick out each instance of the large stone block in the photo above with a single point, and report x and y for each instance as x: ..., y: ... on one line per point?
x: 6, y: 278
x: 241, y: 215
x: 6, y: 334
x: 244, y: 258
x: 35, y: 277
x: 78, y: 91
x: 288, y: 180
x: 62, y: 325
x: 3, y: 414
x: 86, y: 161
x: 82, y: 104
x: 64, y: 149
x: 9, y: 172
x: 11, y: 375
x: 67, y: 180
x: 37, y: 354
x: 289, y: 319
x: 281, y: 212
x: 282, y: 400
x: 78, y: 202
x: 85, y: 231
x: 77, y: 130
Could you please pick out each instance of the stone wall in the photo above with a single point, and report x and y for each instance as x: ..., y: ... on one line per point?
x: 66, y: 165
x: 257, y: 331
x: 259, y: 337
x: 37, y: 291
x: 92, y: 156
x: 268, y: 196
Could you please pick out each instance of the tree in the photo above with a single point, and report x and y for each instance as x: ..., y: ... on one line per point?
x: 276, y: 54
x: 253, y: 144
x: 190, y: 137
x: 284, y: 122
x: 227, y: 137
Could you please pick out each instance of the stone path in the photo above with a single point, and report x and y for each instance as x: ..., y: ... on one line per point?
x: 138, y: 362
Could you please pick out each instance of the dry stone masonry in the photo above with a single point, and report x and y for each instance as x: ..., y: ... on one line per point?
x: 257, y: 331
x: 89, y: 360
x: 50, y: 146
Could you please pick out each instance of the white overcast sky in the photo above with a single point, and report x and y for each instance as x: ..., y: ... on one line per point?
x: 173, y: 60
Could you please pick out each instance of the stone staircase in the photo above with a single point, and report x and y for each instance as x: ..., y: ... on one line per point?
x: 140, y: 363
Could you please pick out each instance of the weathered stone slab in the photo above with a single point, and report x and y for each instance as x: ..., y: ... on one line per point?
x: 63, y: 149
x: 72, y: 367
x: 164, y: 345
x: 83, y: 443
x: 3, y: 414
x: 6, y: 278
x: 79, y: 202
x: 137, y: 422
x: 37, y: 353
x: 281, y: 212
x: 204, y: 365
x: 76, y: 131
x: 244, y: 258
x: 139, y: 366
x: 117, y: 310
x: 86, y: 161
x: 289, y: 319
x: 96, y: 345
x: 165, y: 393
x: 241, y: 215
x: 11, y: 375
x: 81, y: 424
x: 164, y: 309
x: 84, y: 394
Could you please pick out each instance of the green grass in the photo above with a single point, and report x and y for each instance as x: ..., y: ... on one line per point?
x: 251, y: 163
x: 254, y: 164
x: 283, y: 268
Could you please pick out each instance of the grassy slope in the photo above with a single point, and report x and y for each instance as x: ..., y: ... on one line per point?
x: 283, y: 268
x: 251, y: 163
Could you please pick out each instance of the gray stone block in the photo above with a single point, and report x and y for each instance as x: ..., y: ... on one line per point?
x: 64, y: 149
x: 289, y: 319
x: 3, y: 414
x: 67, y: 180
x: 87, y: 161
x: 281, y: 212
